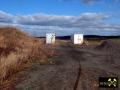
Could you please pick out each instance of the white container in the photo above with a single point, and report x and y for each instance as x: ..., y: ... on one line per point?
x: 50, y: 38
x: 77, y: 39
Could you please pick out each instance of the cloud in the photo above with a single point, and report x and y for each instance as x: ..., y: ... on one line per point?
x: 62, y: 21
x: 39, y: 24
x: 89, y: 2
x: 45, y: 20
x: 5, y: 17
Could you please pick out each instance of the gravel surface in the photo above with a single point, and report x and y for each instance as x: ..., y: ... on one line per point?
x: 77, y: 68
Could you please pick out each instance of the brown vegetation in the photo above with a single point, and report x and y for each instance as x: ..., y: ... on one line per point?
x: 17, y: 48
x: 108, y: 45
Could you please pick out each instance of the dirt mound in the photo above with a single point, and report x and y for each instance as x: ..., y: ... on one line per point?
x: 10, y: 36
x: 17, y: 49
x: 12, y: 33
x: 108, y: 45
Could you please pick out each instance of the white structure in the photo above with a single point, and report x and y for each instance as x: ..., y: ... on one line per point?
x: 77, y: 38
x: 50, y: 38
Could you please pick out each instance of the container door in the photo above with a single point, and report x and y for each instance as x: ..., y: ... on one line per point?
x: 79, y: 39
x: 48, y: 38
x: 52, y: 38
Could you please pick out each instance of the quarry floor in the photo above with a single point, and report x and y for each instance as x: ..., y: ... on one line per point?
x: 77, y: 68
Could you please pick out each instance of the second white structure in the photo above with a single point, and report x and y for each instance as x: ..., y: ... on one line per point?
x: 77, y: 38
x: 50, y: 38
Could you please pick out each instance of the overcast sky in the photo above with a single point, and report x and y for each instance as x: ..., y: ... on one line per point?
x: 64, y: 17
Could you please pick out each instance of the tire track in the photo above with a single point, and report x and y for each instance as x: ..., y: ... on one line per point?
x: 75, y: 55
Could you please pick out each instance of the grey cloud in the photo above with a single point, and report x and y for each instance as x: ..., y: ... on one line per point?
x: 42, y: 30
x: 63, y: 21
x: 5, y: 17
x: 86, y: 23
x: 91, y: 1
x: 88, y: 2
x: 45, y: 20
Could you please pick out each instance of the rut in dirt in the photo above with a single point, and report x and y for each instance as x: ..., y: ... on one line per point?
x: 75, y: 54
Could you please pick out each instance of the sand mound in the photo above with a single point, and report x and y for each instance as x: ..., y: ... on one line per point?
x: 108, y: 45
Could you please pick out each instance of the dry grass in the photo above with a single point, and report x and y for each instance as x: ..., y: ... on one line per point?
x: 116, y: 41
x: 17, y: 49
x: 93, y: 42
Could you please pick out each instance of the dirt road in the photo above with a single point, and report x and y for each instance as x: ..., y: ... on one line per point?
x: 77, y: 68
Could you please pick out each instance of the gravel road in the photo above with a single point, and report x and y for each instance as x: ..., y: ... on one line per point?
x: 77, y: 68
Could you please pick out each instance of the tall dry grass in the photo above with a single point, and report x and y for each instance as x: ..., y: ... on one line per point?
x: 17, y: 48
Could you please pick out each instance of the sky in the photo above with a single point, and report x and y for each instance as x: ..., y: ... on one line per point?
x: 64, y: 17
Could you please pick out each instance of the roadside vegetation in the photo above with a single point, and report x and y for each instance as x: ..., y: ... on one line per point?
x: 18, y: 49
x: 116, y: 40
